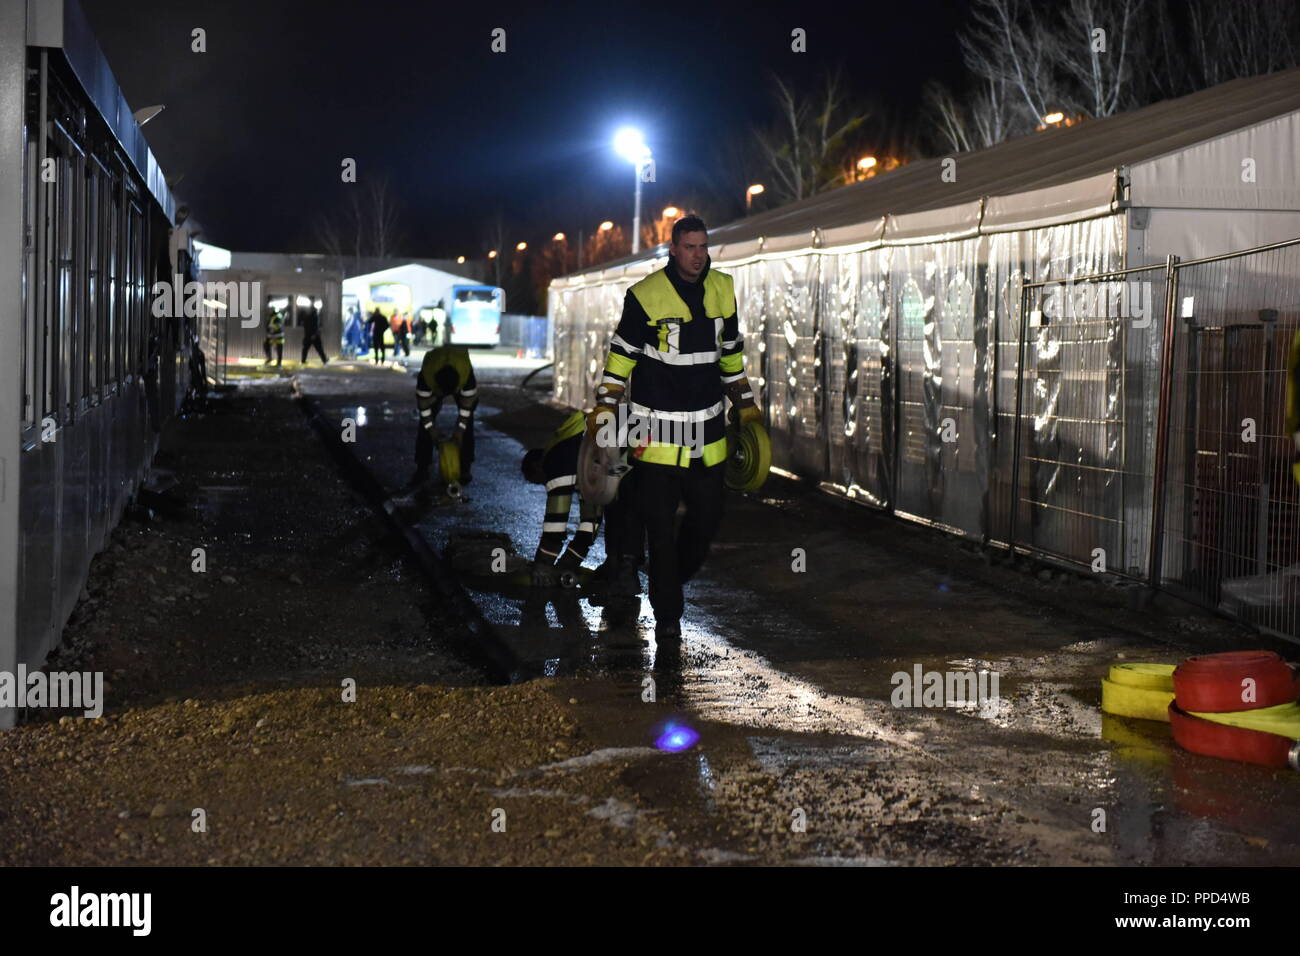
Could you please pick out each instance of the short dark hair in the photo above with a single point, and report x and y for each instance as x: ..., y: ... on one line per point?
x: 688, y: 224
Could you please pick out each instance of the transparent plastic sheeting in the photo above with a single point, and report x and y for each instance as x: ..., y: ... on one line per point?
x: 891, y: 373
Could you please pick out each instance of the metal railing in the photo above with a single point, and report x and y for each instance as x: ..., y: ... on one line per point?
x: 1231, y: 529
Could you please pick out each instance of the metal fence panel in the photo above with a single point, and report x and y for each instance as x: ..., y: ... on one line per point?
x: 1088, y: 398
x: 1232, y: 518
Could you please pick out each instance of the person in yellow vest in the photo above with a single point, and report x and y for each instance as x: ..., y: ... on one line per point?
x: 555, y: 465
x: 445, y: 372
x: 679, y: 330
x: 274, y: 335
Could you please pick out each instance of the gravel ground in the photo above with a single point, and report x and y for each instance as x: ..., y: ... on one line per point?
x: 225, y: 688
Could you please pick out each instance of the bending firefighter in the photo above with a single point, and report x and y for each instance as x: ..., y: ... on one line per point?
x: 679, y: 330
x: 556, y: 467
x: 445, y: 372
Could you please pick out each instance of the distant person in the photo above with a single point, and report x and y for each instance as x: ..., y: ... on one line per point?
x: 274, y: 335
x: 377, y: 325
x: 352, y: 333
x: 401, y: 327
x: 418, y: 327
x: 439, y: 322
x: 311, y: 335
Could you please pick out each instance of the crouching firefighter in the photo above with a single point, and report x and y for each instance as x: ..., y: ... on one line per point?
x: 445, y: 372
x: 680, y: 331
x: 556, y: 467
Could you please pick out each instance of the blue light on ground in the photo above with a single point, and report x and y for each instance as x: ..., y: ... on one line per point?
x: 677, y: 738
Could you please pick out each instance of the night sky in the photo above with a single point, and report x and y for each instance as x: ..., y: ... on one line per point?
x: 259, y: 124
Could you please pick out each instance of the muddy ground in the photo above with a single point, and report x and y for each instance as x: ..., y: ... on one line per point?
x: 227, y: 687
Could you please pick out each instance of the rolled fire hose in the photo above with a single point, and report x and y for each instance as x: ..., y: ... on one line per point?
x: 1283, y: 720
x: 1139, y: 690
x: 1234, y: 681
x: 1267, y: 734
x: 1212, y: 739
x: 449, y: 465
x: 749, y: 456
x: 599, y: 471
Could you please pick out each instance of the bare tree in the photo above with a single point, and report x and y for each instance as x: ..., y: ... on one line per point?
x: 984, y: 117
x: 805, y: 150
x: 1098, y: 45
x: 1094, y: 58
x: 367, y: 222
x: 1242, y: 39
x: 1011, y: 45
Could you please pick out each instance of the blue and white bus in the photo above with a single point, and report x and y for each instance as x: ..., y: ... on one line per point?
x: 475, y: 314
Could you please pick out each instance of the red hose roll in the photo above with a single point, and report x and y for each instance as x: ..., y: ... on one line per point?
x: 1232, y: 743
x: 1216, y: 683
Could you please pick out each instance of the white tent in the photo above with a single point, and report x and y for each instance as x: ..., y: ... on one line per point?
x: 427, y: 285
x: 882, y: 320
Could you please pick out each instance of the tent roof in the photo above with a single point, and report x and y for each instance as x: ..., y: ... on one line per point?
x: 408, y: 269
x: 1056, y: 175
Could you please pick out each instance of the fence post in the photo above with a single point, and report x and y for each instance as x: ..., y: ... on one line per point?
x: 1015, y: 432
x: 1162, y: 425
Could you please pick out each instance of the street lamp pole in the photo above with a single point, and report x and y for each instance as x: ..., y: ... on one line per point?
x: 630, y: 144
x: 636, y: 212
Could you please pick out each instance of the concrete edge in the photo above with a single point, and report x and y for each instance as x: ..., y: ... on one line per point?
x: 485, y: 648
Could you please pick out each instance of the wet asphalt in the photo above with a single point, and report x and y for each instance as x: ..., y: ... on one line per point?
x: 795, y: 630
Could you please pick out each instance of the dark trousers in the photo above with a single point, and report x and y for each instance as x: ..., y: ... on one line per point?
x: 624, y: 529
x: 307, y: 343
x: 424, y: 447
x: 377, y: 348
x: 279, y: 352
x: 676, y: 555
x: 401, y: 344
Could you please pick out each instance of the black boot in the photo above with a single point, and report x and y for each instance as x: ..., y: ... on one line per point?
x: 624, y: 580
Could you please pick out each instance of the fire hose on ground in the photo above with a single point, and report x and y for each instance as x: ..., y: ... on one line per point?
x: 1240, y: 705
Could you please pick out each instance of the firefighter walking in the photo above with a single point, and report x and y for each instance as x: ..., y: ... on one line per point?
x: 445, y: 372
x: 680, y: 331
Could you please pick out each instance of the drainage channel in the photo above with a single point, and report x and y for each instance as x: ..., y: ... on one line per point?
x: 480, y: 644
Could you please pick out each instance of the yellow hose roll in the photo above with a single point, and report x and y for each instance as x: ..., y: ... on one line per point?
x: 1283, y: 720
x: 1141, y: 702
x: 449, y: 462
x: 749, y: 457
x: 1145, y: 676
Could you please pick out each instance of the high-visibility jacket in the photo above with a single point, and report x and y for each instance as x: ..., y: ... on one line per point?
x: 560, y: 465
x: 429, y: 394
x: 275, y: 329
x: 683, y: 338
